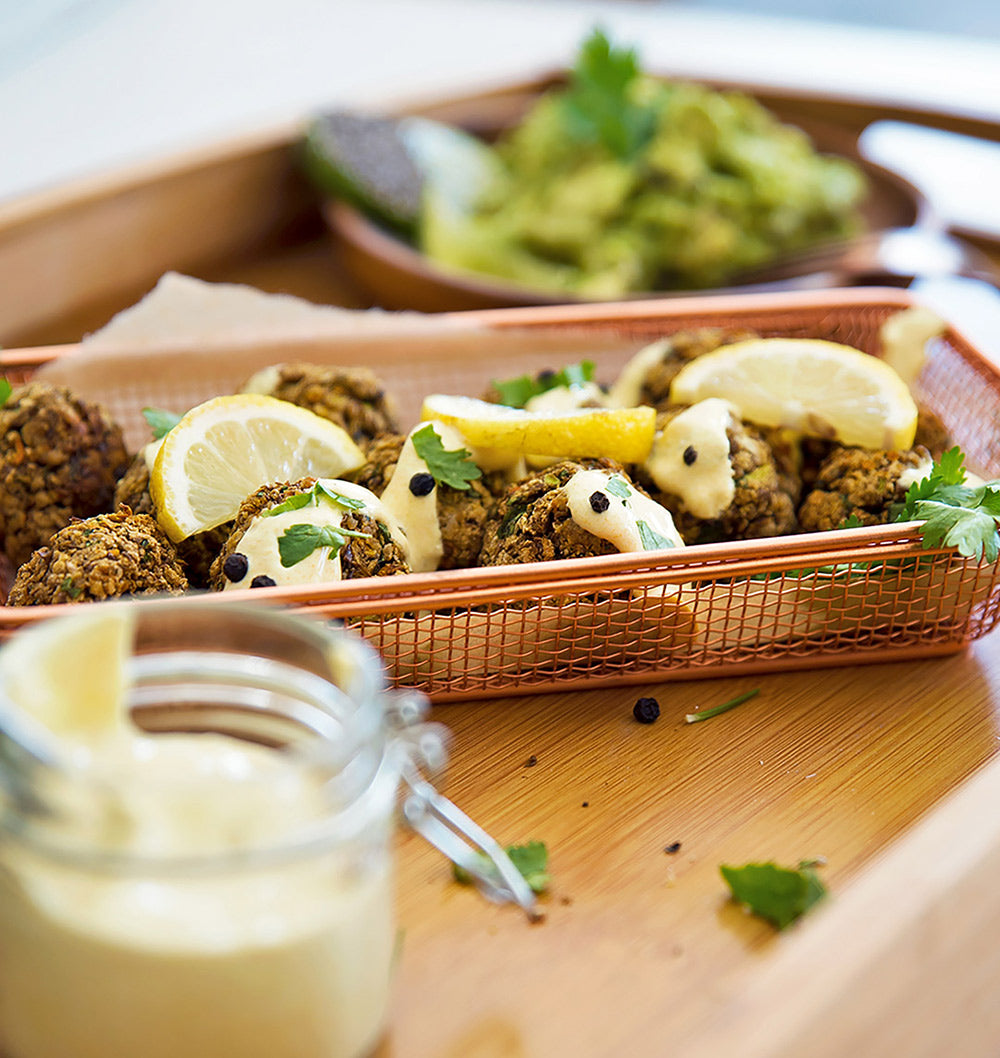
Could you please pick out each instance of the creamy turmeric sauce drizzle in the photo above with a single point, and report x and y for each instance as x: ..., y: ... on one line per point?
x: 704, y: 480
x: 568, y: 398
x: 619, y: 522
x: 260, y: 542
x: 627, y: 390
x: 418, y: 515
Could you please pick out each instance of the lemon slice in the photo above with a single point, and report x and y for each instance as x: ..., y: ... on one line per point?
x: 624, y: 434
x: 225, y: 448
x: 69, y: 673
x: 821, y: 388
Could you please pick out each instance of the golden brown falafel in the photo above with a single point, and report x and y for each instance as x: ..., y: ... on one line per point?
x: 353, y: 398
x: 196, y: 552
x: 862, y: 484
x: 373, y: 554
x: 103, y: 557
x: 59, y: 459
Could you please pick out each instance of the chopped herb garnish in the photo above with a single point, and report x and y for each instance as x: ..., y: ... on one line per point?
x: 954, y: 514
x: 852, y: 522
x: 599, y: 106
x: 298, y: 542
x: 651, y: 539
x: 618, y: 487
x: 313, y: 497
x: 161, y: 422
x: 74, y: 591
x: 5, y: 391
x: 531, y: 860
x: 516, y: 392
x: 454, y: 467
x: 707, y: 714
x: 778, y: 894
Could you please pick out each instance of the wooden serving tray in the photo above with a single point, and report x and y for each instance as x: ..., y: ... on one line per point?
x: 891, y: 772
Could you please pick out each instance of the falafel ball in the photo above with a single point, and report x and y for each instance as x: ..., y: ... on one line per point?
x: 353, y: 398
x: 59, y: 459
x: 717, y: 475
x: 460, y: 514
x: 103, y: 557
x: 862, y: 484
x: 572, y: 510
x: 647, y: 377
x: 197, y: 552
x: 337, y: 539
x: 932, y: 433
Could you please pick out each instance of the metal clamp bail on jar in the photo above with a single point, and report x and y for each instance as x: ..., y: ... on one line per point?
x: 438, y: 820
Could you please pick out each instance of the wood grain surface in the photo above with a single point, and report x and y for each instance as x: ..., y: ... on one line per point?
x: 641, y: 952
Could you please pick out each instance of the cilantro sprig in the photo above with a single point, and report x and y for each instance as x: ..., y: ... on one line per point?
x: 5, y: 391
x: 313, y: 497
x: 299, y: 541
x: 531, y: 860
x: 516, y: 392
x: 599, y: 106
x: 953, y: 513
x: 448, y: 467
x: 778, y: 894
x: 161, y: 421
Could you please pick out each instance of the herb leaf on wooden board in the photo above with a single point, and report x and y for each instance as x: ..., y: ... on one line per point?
x: 531, y: 860
x: 780, y: 895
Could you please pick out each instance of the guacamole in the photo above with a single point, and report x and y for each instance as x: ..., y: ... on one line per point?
x: 622, y: 183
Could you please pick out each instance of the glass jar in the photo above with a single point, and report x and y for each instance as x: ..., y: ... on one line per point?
x: 222, y: 886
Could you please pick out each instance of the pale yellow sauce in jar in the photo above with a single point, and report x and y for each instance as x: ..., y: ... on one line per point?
x: 690, y: 458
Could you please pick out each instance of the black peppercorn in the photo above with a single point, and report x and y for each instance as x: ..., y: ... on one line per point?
x: 546, y: 375
x: 262, y: 580
x: 690, y: 455
x: 235, y: 567
x: 599, y: 502
x: 421, y: 484
x: 646, y: 710
x: 674, y: 846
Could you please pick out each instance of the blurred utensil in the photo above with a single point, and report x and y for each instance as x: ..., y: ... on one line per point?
x: 894, y: 256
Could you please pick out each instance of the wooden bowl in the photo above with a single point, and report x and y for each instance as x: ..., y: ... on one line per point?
x: 398, y: 276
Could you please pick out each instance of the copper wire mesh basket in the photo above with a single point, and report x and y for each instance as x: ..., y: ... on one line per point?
x: 807, y: 600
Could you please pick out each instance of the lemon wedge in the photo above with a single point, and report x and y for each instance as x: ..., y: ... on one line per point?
x: 624, y: 434
x: 225, y: 448
x: 820, y: 388
x: 69, y: 673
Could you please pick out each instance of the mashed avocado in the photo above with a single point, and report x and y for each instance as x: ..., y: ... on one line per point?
x: 620, y: 183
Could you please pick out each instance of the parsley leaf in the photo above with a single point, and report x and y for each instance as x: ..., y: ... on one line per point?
x: 5, y: 391
x: 598, y: 106
x: 778, y: 894
x: 954, y: 514
x: 531, y: 860
x: 617, y: 486
x: 651, y: 539
x: 299, y: 541
x: 312, y: 497
x: 516, y: 392
x: 161, y: 422
x: 454, y: 468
